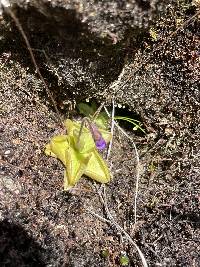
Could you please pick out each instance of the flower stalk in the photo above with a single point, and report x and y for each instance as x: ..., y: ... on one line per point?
x: 96, y: 134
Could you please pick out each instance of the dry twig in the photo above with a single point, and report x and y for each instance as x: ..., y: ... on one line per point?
x: 112, y: 128
x: 103, y: 196
x: 137, y: 165
x: 18, y: 25
x: 111, y: 221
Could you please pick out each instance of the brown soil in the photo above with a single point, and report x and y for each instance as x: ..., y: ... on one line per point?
x: 40, y: 225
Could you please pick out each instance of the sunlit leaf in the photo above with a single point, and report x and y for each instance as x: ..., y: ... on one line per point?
x: 79, y: 156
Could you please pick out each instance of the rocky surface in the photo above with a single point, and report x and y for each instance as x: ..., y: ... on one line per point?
x: 145, y: 56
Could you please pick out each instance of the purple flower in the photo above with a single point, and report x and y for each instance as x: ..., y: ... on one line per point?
x: 97, y: 136
x: 100, y: 144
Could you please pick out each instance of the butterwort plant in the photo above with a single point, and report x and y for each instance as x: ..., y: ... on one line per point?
x: 102, y: 118
x: 79, y: 149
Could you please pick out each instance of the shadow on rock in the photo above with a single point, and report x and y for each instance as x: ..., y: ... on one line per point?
x: 17, y: 248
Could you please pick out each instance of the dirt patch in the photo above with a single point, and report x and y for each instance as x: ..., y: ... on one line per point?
x: 43, y: 226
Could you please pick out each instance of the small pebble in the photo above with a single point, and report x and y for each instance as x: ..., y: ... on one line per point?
x: 7, y: 152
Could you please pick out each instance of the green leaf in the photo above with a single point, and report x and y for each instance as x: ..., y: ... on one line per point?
x: 73, y: 129
x: 89, y: 110
x: 57, y: 147
x: 124, y: 260
x: 78, y: 160
x: 105, y: 253
x: 102, y: 120
x: 93, y: 106
x: 136, y: 123
x: 86, y: 109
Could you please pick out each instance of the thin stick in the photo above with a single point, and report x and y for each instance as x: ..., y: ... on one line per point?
x: 144, y: 262
x: 98, y: 216
x: 85, y: 119
x: 137, y: 171
x: 137, y: 166
x: 9, y: 11
x: 111, y: 221
x: 96, y: 114
x: 112, y: 129
x: 80, y: 131
x: 103, y: 198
